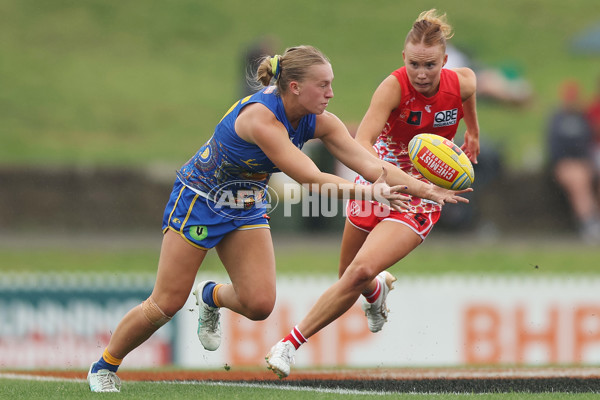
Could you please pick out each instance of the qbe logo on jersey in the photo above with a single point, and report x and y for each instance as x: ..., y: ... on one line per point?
x: 445, y: 118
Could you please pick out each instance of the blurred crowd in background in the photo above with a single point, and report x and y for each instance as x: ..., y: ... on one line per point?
x: 574, y: 155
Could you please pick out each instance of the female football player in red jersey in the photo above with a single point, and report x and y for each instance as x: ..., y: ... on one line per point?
x: 421, y: 97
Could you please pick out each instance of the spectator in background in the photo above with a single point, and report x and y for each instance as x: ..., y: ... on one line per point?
x: 593, y: 114
x: 570, y: 141
x: 503, y: 85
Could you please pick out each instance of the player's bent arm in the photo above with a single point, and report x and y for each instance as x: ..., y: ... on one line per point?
x: 385, y: 99
x: 467, y: 80
x: 340, y: 144
x: 468, y: 88
x: 258, y: 125
x: 471, y: 145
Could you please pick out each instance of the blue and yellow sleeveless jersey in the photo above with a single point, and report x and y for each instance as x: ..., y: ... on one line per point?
x: 226, y: 158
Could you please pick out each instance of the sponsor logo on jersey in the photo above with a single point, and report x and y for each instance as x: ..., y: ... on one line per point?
x: 445, y: 118
x: 198, y: 232
x: 414, y: 118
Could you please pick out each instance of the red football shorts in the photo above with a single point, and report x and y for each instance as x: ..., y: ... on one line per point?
x: 366, y: 214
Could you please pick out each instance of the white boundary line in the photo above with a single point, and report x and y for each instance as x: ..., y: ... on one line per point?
x: 26, y: 377
x: 288, y: 387
x: 40, y: 378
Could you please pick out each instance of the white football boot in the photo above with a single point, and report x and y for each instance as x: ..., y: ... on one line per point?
x: 103, y: 380
x: 377, y: 312
x: 280, y: 358
x: 209, y: 326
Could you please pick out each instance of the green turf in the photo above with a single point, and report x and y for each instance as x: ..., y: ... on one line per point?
x: 435, y: 256
x: 145, y: 81
x: 20, y: 389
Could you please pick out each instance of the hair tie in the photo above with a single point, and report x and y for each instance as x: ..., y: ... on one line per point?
x: 276, y: 66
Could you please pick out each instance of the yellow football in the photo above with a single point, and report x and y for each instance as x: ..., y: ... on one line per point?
x: 441, y: 161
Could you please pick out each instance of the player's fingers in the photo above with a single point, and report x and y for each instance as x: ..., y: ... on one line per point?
x: 467, y: 190
x: 397, y: 197
x: 399, y: 205
x: 472, y: 157
x: 398, y: 189
x: 460, y: 199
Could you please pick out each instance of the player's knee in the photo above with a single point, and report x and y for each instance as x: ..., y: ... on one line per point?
x: 259, y: 308
x: 258, y: 314
x: 173, y: 306
x: 343, y: 266
x: 154, y: 314
x: 359, y: 274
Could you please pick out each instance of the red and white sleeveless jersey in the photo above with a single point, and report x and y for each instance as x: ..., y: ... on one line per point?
x: 439, y: 114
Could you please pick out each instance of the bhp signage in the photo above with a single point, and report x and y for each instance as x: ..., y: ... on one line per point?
x: 433, y: 321
x: 66, y: 321
x: 562, y: 334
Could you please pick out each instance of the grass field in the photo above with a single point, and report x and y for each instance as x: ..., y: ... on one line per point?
x: 438, y: 255
x: 143, y: 82
x: 441, y: 255
x: 67, y: 390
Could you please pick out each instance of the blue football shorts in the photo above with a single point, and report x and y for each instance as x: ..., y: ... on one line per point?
x: 201, y: 223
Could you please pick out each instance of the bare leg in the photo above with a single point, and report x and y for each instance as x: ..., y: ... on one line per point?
x: 249, y: 259
x: 352, y: 240
x: 177, y: 268
x: 576, y: 178
x: 388, y: 243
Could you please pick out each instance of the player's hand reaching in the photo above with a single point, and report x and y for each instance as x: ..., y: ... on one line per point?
x: 391, y: 196
x: 443, y: 196
x: 471, y: 147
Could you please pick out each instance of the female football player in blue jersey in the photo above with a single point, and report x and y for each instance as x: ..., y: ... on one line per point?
x: 218, y: 201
